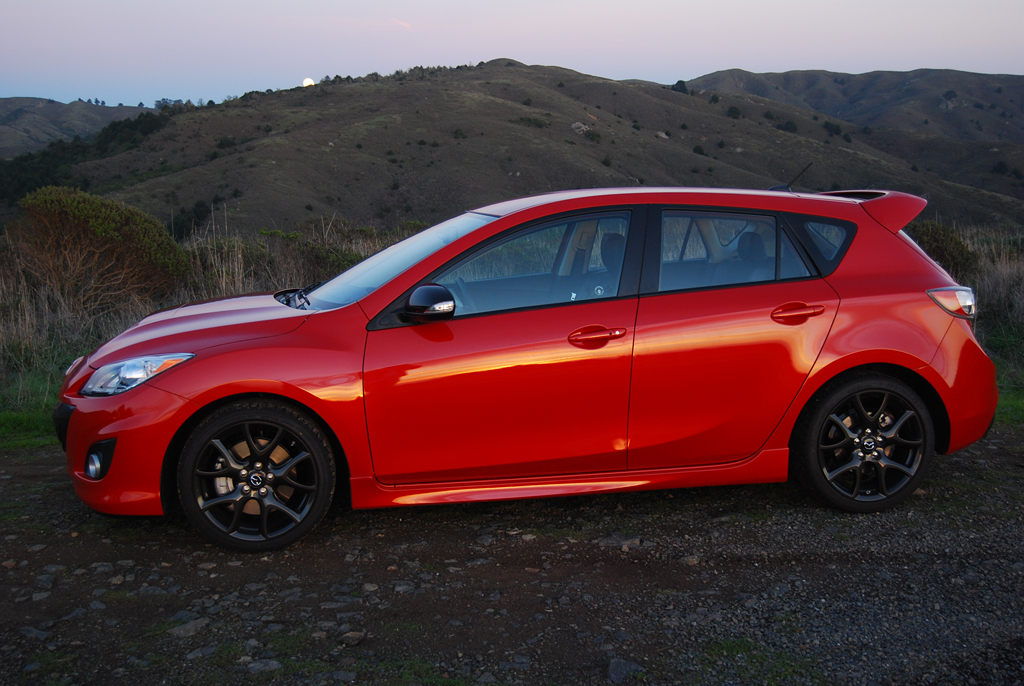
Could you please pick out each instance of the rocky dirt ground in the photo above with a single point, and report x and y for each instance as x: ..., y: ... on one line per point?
x: 738, y: 585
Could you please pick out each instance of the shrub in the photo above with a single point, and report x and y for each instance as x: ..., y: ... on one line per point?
x: 699, y: 149
x: 680, y: 87
x: 944, y: 245
x: 832, y: 128
x: 1000, y: 168
x: 94, y: 253
x: 592, y: 135
x: 789, y: 126
x: 607, y: 161
x: 734, y: 112
x: 714, y: 99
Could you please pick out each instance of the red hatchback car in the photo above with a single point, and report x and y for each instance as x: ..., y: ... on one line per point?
x: 577, y: 342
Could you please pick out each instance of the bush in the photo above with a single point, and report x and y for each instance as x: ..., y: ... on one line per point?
x: 734, y: 112
x: 832, y: 128
x: 94, y: 253
x: 680, y: 87
x: 789, y: 126
x: 944, y: 245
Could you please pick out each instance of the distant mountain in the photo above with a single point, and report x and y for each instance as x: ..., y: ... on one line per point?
x: 28, y: 124
x: 427, y: 143
x: 939, y: 102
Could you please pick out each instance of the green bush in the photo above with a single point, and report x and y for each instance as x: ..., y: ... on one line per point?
x: 94, y: 253
x: 944, y: 245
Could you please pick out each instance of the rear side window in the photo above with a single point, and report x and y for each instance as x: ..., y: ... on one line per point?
x: 826, y: 240
x: 709, y: 249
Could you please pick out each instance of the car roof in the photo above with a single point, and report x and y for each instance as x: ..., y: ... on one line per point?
x: 892, y: 209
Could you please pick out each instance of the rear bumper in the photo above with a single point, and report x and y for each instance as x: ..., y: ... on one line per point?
x: 971, y: 393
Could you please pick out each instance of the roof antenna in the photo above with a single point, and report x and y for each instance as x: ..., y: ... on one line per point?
x: 789, y: 186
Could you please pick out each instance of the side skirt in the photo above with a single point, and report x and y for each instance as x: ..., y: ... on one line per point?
x: 768, y: 466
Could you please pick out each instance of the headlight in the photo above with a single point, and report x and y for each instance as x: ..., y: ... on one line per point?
x: 121, y: 376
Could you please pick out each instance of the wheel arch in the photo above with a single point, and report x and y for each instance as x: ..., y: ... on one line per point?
x: 168, y: 474
x: 932, y: 400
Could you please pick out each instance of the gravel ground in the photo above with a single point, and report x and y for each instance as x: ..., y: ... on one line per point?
x: 737, y: 585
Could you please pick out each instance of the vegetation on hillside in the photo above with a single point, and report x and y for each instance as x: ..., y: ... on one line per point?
x: 54, y: 166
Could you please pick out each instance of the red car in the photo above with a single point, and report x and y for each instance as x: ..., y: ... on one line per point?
x: 577, y: 342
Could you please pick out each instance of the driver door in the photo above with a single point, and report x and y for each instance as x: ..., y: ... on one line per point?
x: 531, y: 375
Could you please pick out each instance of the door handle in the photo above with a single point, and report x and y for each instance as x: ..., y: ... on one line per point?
x: 792, y: 312
x: 592, y: 337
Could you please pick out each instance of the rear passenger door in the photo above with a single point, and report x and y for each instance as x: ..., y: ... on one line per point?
x: 731, y: 318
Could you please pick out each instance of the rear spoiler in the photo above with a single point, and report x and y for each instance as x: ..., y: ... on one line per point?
x: 891, y: 209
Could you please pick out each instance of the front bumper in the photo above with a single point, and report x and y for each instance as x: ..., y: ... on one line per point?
x: 143, y: 422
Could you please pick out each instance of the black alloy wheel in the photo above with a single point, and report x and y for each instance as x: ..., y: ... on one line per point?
x: 256, y: 475
x: 867, y: 444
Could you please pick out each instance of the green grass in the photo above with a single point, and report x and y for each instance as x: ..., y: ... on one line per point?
x: 747, y: 662
x: 26, y: 429
x: 1010, y: 409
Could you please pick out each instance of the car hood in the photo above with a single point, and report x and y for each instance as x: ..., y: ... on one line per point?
x: 194, y: 327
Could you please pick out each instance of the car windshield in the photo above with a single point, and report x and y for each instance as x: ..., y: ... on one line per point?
x: 377, y: 270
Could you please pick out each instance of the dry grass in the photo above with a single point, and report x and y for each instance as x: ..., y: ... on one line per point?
x: 42, y: 331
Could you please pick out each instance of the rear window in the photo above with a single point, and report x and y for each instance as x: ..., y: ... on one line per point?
x: 826, y: 240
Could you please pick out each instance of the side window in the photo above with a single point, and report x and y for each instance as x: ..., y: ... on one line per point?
x: 561, y: 262
x: 825, y: 240
x: 703, y: 250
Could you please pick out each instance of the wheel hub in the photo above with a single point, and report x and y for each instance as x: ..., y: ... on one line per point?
x: 257, y: 479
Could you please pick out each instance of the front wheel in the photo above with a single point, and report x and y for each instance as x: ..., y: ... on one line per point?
x: 256, y: 475
x: 866, y: 444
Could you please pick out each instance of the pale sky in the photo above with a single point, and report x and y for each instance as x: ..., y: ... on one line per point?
x: 140, y: 50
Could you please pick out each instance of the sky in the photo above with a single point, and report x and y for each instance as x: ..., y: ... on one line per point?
x: 132, y: 51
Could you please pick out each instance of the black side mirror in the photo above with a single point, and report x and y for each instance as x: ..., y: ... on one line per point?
x: 430, y: 302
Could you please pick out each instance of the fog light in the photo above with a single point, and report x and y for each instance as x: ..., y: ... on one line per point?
x: 98, y: 459
x: 93, y: 465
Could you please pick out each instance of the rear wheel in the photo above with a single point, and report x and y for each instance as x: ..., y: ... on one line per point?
x: 256, y: 475
x: 866, y: 444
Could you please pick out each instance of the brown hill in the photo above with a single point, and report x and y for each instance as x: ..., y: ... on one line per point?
x: 940, y: 102
x: 427, y: 143
x: 28, y: 124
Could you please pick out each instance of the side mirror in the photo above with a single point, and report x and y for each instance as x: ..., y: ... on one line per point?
x: 430, y: 302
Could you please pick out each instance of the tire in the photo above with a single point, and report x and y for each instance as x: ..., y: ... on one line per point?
x: 256, y: 475
x: 865, y: 444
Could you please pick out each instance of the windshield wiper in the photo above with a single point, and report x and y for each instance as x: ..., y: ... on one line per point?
x: 299, y: 300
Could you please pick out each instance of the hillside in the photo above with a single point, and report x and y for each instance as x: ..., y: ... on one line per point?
x: 28, y: 124
x: 428, y: 143
x: 937, y: 102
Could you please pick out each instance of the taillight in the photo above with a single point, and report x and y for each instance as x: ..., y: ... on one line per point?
x: 958, y: 301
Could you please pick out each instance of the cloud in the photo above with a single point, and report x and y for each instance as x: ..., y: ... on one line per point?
x: 407, y: 26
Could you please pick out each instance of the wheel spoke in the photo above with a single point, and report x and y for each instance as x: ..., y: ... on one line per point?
x: 852, y: 464
x: 272, y: 503
x: 236, y: 520
x: 850, y: 434
x: 893, y: 434
x: 255, y: 450
x: 284, y: 472
x: 235, y: 497
x: 227, y: 455
x: 886, y: 463
x: 883, y: 487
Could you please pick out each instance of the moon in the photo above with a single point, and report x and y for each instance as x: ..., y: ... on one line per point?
x: 307, y: 82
